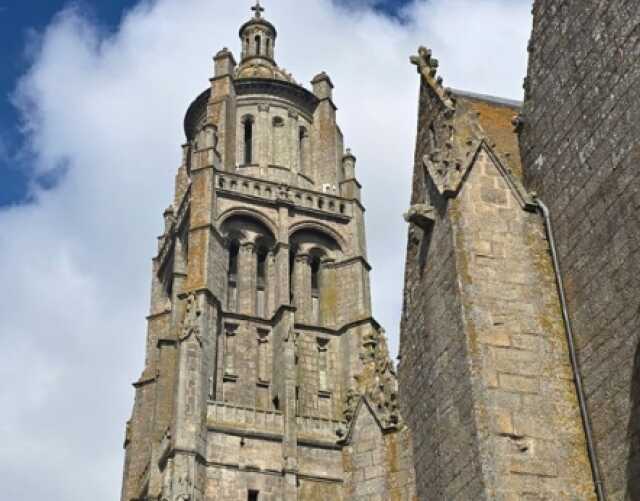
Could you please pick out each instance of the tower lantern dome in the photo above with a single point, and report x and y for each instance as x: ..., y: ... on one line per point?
x: 258, y: 37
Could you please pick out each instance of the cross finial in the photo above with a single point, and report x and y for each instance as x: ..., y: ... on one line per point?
x: 258, y: 9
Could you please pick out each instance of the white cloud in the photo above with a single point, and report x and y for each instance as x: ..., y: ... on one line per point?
x: 75, y: 264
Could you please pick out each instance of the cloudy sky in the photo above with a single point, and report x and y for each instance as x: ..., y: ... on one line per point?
x: 91, y: 111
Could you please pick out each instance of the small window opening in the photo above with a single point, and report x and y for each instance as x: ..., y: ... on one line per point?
x: 268, y: 47
x: 253, y: 496
x: 248, y: 141
x: 301, y: 148
x: 262, y: 268
x: 258, y: 45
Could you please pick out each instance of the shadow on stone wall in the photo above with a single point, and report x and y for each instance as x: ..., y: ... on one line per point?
x: 633, y: 432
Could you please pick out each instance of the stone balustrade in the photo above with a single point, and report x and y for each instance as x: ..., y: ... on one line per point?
x: 304, y: 199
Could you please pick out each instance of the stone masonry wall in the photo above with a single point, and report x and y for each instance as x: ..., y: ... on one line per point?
x: 580, y: 151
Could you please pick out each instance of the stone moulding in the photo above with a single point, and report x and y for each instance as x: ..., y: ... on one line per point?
x: 449, y: 184
x: 346, y: 433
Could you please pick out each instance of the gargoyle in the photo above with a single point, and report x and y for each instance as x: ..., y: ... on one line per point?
x: 422, y: 215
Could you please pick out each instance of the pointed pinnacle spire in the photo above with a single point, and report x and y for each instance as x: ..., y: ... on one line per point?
x: 258, y: 9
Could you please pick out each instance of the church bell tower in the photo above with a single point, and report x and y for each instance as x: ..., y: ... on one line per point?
x: 266, y: 376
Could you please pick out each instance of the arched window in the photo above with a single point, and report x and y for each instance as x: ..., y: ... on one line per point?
x: 232, y: 277
x: 248, y: 140
x: 258, y: 45
x: 278, y: 136
x: 268, y: 47
x: 250, y: 245
x: 314, y: 290
x: 302, y: 149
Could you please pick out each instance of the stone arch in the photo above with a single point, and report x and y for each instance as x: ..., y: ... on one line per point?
x: 248, y: 214
x: 313, y: 251
x: 321, y: 229
x: 250, y: 244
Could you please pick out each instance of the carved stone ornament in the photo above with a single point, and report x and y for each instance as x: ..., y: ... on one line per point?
x: 191, y: 323
x: 448, y: 167
x: 284, y: 193
x: 377, y: 381
x: 350, y: 405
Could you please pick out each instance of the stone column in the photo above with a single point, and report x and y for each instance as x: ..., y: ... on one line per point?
x: 247, y: 274
x: 328, y: 293
x: 302, y: 287
x: 282, y: 285
x: 270, y: 289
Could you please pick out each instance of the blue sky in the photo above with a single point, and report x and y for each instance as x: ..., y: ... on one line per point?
x: 20, y: 24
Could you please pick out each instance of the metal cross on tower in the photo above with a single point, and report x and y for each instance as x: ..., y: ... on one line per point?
x: 258, y: 9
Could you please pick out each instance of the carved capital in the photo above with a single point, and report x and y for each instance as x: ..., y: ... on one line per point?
x: 248, y: 247
x: 303, y: 258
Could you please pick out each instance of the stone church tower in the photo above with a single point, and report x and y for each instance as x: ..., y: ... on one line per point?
x: 266, y: 376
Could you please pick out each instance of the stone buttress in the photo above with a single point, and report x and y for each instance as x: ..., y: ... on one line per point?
x: 266, y: 376
x: 487, y: 386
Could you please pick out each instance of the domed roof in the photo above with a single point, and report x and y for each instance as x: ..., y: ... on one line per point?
x: 258, y: 38
x: 259, y: 69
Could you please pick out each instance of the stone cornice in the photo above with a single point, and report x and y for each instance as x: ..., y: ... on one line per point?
x: 158, y: 314
x: 351, y: 260
x: 294, y: 93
